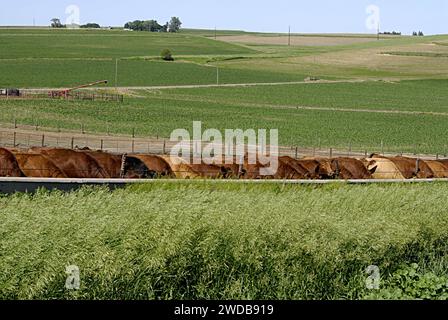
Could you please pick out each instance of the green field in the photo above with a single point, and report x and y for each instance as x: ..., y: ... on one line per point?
x: 421, y: 127
x: 28, y: 43
x: 206, y: 241
x: 60, y: 58
x: 63, y: 73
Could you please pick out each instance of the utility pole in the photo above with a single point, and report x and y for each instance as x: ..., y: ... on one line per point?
x: 289, y: 37
x: 378, y: 33
x: 217, y: 75
x: 116, y: 74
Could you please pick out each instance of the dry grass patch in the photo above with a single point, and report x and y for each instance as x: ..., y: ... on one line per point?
x: 295, y: 40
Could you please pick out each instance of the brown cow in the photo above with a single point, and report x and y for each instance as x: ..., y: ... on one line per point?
x: 350, y: 168
x: 383, y: 169
x: 111, y: 165
x: 38, y: 166
x: 302, y: 169
x: 156, y: 164
x: 324, y: 168
x: 438, y: 167
x: 9, y: 166
x: 287, y: 168
x: 74, y: 164
x: 410, y: 168
x: 186, y: 169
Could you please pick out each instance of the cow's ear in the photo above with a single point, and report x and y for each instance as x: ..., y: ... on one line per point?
x: 372, y: 166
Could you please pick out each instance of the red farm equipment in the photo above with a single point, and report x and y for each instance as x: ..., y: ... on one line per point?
x: 66, y: 92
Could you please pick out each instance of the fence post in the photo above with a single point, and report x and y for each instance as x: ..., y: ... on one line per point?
x: 82, y: 128
x: 133, y: 132
x: 297, y: 152
x: 15, y: 135
x: 133, y: 145
x: 15, y: 123
x: 331, y: 153
x: 164, y: 147
x: 73, y: 143
x: 43, y: 140
x: 101, y: 144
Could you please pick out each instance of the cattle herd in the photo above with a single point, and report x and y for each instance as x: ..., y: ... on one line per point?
x: 86, y: 163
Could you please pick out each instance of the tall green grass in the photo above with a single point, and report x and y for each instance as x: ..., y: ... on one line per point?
x: 207, y: 241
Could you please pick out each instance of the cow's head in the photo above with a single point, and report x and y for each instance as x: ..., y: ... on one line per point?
x: 371, y: 165
x: 325, y: 170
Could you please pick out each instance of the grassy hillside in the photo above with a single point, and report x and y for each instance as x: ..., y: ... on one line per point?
x: 28, y: 43
x: 45, y: 57
x: 196, y: 241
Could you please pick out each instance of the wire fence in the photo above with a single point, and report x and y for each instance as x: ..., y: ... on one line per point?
x: 60, y: 95
x: 27, y: 138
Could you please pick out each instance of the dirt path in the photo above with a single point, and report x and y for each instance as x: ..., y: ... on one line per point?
x: 194, y: 86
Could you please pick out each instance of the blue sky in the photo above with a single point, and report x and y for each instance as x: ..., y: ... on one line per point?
x: 252, y: 15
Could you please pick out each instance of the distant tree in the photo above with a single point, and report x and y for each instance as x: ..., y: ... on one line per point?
x: 174, y: 24
x: 151, y: 25
x: 148, y: 25
x: 165, y: 27
x: 56, y: 23
x: 420, y: 34
x: 91, y: 26
x: 167, y: 55
x: 136, y: 25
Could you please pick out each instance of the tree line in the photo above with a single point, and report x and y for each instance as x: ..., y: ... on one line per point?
x: 173, y: 25
x: 153, y: 26
x: 56, y: 23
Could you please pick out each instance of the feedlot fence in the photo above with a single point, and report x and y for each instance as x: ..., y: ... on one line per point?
x: 24, y: 139
x: 74, y: 95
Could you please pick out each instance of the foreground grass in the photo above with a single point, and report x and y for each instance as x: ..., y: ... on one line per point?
x: 205, y: 241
